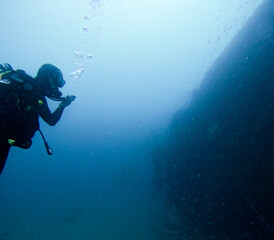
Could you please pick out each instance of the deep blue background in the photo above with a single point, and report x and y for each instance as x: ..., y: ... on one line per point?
x: 147, y: 58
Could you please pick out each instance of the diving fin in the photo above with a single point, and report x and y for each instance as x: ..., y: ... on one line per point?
x: 4, y: 152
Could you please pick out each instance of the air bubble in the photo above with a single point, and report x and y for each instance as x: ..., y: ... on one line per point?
x: 85, y: 28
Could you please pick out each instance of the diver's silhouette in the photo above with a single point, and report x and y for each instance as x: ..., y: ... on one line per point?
x: 23, y: 101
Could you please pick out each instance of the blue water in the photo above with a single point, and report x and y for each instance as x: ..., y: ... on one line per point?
x: 139, y: 62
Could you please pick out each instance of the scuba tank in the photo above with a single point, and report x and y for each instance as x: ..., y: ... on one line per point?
x: 19, y: 80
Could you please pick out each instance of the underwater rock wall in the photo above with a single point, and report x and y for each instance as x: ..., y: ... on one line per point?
x: 216, y: 168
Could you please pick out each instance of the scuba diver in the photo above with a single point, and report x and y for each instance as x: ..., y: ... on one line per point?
x: 23, y: 101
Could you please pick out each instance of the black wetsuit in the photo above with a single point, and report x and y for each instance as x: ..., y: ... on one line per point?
x: 20, y: 110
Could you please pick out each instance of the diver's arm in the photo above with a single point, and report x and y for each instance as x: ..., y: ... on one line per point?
x: 53, y: 118
x: 48, y: 117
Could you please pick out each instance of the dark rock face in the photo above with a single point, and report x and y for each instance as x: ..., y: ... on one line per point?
x: 217, y: 168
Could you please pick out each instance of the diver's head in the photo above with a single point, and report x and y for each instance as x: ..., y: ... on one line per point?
x: 51, y: 78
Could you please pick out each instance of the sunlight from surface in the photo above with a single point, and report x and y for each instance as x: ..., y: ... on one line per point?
x: 127, y: 61
x: 131, y: 65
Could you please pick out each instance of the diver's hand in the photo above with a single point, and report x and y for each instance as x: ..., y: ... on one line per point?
x: 67, y: 101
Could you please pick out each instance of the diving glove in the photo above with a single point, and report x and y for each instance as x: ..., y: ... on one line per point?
x: 67, y: 101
